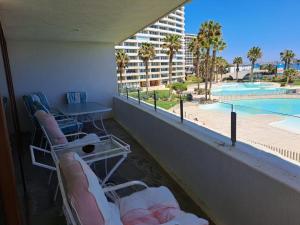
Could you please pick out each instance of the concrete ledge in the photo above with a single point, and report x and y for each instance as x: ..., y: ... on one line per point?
x: 235, y: 186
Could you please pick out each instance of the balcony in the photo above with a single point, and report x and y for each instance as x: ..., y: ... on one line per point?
x: 56, y: 47
x: 230, y: 185
x: 139, y: 165
x: 234, y: 185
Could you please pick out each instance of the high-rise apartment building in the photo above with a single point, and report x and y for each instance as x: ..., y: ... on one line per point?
x: 189, y: 57
x: 135, y: 75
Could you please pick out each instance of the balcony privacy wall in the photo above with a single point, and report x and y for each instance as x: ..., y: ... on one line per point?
x: 56, y: 67
x: 233, y: 186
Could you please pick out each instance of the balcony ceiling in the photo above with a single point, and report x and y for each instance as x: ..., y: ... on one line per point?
x: 80, y: 20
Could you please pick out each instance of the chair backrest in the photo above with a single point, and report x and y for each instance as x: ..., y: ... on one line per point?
x: 42, y: 99
x: 28, y: 105
x: 36, y: 101
x: 50, y: 128
x: 83, y: 197
x: 39, y: 106
x: 76, y: 97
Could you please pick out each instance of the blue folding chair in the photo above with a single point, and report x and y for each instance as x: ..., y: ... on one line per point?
x: 38, y: 101
x: 76, y: 97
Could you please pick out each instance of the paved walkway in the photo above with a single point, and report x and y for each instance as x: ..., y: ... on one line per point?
x: 252, y: 128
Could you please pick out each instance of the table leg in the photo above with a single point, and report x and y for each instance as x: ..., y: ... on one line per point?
x: 114, y: 169
x: 102, y: 124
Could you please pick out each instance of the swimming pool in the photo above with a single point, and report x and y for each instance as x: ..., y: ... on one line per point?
x: 250, y: 88
x: 289, y: 109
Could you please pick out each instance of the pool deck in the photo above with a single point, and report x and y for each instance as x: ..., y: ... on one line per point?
x: 252, y: 129
x: 243, y: 97
x: 260, y: 130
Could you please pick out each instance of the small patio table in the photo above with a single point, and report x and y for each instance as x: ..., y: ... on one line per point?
x: 105, y: 148
x: 88, y: 108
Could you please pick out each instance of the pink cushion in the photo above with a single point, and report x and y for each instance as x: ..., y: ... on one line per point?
x: 161, y: 215
x: 77, y: 189
x: 147, y: 198
x: 158, y: 214
x: 51, y: 127
x: 155, y: 206
x: 152, y: 206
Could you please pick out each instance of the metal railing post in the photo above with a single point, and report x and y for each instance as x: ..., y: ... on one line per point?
x: 233, y: 128
x: 154, y: 97
x: 127, y: 92
x: 181, y: 109
x: 139, y: 96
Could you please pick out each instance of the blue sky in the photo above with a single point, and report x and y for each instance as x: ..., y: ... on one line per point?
x: 273, y: 25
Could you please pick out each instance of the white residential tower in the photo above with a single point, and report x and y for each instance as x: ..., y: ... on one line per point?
x: 189, y: 57
x: 135, y: 75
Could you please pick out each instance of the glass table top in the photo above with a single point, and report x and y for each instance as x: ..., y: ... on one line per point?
x: 82, y: 108
x: 107, y: 147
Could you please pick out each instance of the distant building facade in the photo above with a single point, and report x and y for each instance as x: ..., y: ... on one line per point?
x: 232, y: 69
x: 135, y: 75
x: 189, y: 57
x: 280, y: 67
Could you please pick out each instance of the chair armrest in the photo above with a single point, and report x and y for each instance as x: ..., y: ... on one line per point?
x: 124, y: 185
x: 70, y: 144
x: 76, y: 134
x: 36, y: 163
x: 65, y: 119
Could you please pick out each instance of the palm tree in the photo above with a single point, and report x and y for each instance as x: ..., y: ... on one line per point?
x: 253, y: 55
x: 237, y: 61
x: 287, y: 56
x: 122, y: 61
x: 208, y: 31
x: 172, y: 43
x: 289, y: 73
x: 195, y: 47
x: 221, y: 65
x: 218, y: 45
x: 146, y: 53
x: 271, y: 68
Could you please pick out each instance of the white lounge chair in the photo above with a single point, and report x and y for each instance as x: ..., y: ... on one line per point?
x: 56, y: 139
x: 85, y: 202
x: 54, y: 135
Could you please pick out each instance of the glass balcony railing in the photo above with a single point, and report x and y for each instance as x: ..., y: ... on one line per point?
x: 273, y: 132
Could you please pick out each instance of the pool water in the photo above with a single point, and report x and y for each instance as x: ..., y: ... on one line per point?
x: 250, y: 88
x: 288, y: 108
x: 267, y: 106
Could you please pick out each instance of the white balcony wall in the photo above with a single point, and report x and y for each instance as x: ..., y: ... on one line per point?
x: 235, y: 186
x: 57, y: 67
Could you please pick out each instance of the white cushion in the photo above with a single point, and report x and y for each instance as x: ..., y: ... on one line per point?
x: 155, y: 206
x: 188, y: 219
x: 115, y: 215
x: 110, y: 214
x: 87, y: 139
x: 146, y: 198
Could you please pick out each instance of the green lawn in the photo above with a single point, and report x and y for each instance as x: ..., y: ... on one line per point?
x: 165, y: 104
x: 192, y: 79
x: 163, y: 98
x: 296, y: 82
